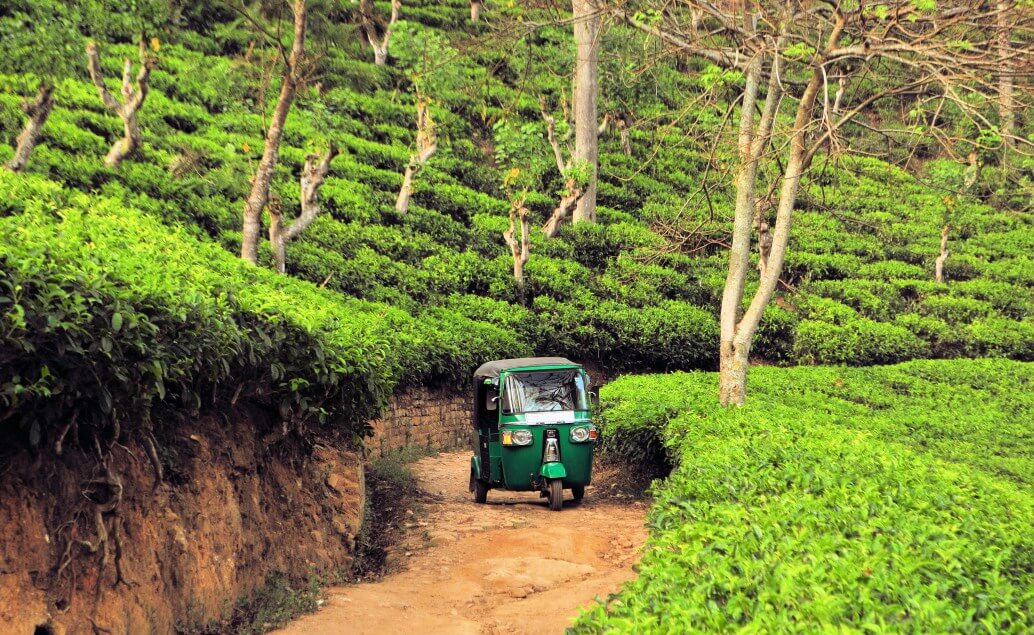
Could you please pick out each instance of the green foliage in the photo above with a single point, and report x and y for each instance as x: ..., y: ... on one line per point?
x: 40, y: 38
x: 858, y: 342
x: 884, y: 499
x: 107, y: 313
x: 861, y: 255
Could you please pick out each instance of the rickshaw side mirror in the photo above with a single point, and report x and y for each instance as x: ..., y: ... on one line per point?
x: 594, y: 397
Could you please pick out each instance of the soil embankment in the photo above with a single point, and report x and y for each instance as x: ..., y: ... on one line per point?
x: 234, y: 508
x: 511, y: 566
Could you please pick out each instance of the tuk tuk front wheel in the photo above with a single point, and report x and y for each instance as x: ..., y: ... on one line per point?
x: 578, y: 491
x: 556, y: 494
x: 480, y: 491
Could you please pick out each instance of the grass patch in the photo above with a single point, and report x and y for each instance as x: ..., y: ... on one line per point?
x: 273, y: 605
x: 392, y: 493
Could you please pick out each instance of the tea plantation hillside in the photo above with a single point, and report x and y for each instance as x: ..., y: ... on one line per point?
x: 858, y: 284
x: 109, y: 312
x: 884, y: 499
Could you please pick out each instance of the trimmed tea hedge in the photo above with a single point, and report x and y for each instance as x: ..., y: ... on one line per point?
x: 105, y: 313
x: 884, y: 499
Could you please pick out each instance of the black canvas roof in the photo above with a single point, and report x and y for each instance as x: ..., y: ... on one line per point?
x: 492, y: 369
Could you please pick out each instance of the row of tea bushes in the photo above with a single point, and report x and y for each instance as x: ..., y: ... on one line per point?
x: 858, y: 284
x: 106, y: 313
x: 884, y: 499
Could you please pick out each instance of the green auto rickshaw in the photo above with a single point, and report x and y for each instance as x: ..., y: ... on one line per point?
x: 534, y: 430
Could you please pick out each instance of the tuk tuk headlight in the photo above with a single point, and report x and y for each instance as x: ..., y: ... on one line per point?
x: 517, y: 437
x: 582, y: 434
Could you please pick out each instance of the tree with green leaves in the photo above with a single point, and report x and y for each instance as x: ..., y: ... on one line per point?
x: 801, y: 72
x: 40, y: 39
x: 433, y: 67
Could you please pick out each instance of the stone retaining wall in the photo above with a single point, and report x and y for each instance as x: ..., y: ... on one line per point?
x: 435, y: 419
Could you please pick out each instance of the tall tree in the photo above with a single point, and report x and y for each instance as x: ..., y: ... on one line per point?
x: 914, y: 47
x: 293, y: 60
x: 132, y: 98
x: 585, y: 91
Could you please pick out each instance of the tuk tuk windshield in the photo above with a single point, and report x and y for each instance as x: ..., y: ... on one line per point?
x: 544, y: 391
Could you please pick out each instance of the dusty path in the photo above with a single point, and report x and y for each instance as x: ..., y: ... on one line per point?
x: 511, y: 566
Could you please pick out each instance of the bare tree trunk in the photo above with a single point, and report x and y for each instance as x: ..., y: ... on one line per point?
x: 626, y: 143
x: 1006, y: 99
x: 586, y: 84
x: 736, y: 334
x: 377, y: 33
x: 313, y: 176
x: 37, y: 111
x: 276, y: 237
x: 426, y: 146
x: 732, y: 362
x: 520, y: 249
x: 572, y: 192
x: 938, y: 267
x: 475, y: 10
x: 563, y: 210
x: 732, y: 379
x: 260, y: 182
x: 132, y: 99
x: 764, y: 235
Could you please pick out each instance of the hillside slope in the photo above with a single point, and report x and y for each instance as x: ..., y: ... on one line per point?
x: 860, y: 265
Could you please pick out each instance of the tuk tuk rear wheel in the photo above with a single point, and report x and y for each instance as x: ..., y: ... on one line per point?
x: 578, y: 491
x: 480, y: 491
x: 556, y: 494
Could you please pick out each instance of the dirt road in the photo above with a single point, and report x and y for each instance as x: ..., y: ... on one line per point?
x: 511, y: 566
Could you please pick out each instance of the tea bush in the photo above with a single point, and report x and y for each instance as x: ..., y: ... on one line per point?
x: 858, y: 285
x: 109, y: 313
x: 885, y: 499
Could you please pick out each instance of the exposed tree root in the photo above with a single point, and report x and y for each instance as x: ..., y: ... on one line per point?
x: 59, y: 443
x: 152, y: 454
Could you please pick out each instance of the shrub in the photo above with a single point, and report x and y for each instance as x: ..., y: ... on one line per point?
x: 670, y: 335
x: 892, y: 270
x: 858, y: 342
x: 885, y: 499
x: 639, y: 284
x: 803, y: 265
x: 775, y: 336
x: 954, y: 310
